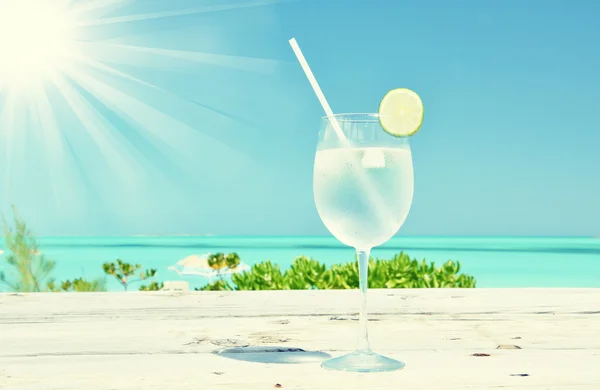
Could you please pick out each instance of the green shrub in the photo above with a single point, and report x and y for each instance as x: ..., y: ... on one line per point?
x: 219, y: 285
x: 126, y: 274
x: 30, y: 269
x: 399, y: 272
x: 262, y: 276
x: 152, y: 286
x: 305, y: 274
x: 79, y: 285
x: 403, y: 272
x: 219, y: 261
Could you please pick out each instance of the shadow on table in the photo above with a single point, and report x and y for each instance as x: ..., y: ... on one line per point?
x: 277, y: 355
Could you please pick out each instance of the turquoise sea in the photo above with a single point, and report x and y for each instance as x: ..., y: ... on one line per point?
x: 494, y: 261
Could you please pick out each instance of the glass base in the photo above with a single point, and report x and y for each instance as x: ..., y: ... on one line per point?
x: 362, y: 361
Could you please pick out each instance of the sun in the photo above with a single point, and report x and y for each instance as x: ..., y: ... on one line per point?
x: 36, y: 39
x: 84, y: 106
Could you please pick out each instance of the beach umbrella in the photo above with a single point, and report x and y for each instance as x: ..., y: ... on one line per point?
x: 197, y: 265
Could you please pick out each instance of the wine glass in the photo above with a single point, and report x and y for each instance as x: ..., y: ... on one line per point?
x: 363, y: 190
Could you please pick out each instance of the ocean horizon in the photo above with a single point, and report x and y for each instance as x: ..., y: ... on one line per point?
x: 493, y: 261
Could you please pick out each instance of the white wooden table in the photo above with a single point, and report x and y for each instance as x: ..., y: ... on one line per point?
x: 159, y: 340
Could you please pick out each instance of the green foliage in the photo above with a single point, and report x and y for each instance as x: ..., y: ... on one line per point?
x: 79, y: 285
x: 342, y: 276
x: 32, y: 271
x: 305, y: 274
x: 219, y: 261
x: 127, y: 274
x: 399, y: 272
x: 153, y: 286
x: 403, y: 272
x: 262, y: 276
x: 219, y: 285
x: 30, y: 268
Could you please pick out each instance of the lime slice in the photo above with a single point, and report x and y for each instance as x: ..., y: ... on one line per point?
x: 401, y: 112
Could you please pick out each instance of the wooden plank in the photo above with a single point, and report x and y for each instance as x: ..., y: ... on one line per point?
x: 166, y: 340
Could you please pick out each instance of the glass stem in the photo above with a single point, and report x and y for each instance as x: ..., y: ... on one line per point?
x: 363, y: 269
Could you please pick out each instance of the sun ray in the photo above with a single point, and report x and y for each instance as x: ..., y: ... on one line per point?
x: 97, y: 8
x: 183, y: 12
x: 57, y: 152
x: 124, y: 128
x: 107, y: 139
x: 65, y: 174
x: 7, y: 143
x: 109, y: 69
x: 152, y: 123
x: 115, y: 72
x: 99, y: 209
x: 130, y: 161
x: 138, y: 101
x: 123, y: 54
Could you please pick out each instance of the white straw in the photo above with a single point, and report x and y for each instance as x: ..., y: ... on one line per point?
x: 317, y: 89
x: 376, y: 199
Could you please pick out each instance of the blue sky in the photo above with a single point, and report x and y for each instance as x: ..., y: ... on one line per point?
x: 196, y: 117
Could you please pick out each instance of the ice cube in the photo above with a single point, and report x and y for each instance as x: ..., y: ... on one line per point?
x: 373, y: 158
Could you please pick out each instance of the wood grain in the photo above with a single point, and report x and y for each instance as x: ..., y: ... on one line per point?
x: 535, y: 339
